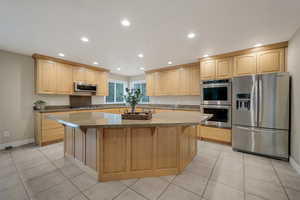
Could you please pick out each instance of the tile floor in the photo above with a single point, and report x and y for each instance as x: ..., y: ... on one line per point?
x: 216, y: 173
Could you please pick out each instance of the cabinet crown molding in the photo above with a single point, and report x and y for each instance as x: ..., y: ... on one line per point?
x: 74, y: 64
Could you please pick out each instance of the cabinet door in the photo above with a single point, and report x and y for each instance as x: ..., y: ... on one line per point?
x: 90, y: 76
x: 194, y: 80
x: 161, y: 83
x: 184, y: 81
x: 46, y: 77
x: 270, y: 61
x: 64, y: 79
x: 245, y: 64
x: 102, y: 84
x: 150, y: 84
x: 224, y: 68
x: 208, y: 70
x: 172, y: 83
x: 79, y: 74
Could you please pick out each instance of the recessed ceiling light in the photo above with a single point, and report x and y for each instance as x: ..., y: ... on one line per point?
x: 205, y: 55
x: 191, y: 35
x: 84, y: 39
x: 258, y: 45
x: 169, y: 62
x: 125, y: 22
x: 119, y: 69
x: 141, y: 55
x: 142, y: 68
x: 61, y: 55
x: 96, y: 63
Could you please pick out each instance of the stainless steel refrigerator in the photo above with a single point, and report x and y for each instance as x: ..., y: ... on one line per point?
x: 260, y: 114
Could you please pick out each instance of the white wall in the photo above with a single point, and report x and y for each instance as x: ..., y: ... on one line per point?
x: 294, y: 69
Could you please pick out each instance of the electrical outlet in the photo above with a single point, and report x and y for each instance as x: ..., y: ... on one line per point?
x: 6, y: 133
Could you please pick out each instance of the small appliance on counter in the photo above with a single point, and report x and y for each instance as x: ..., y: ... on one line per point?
x: 260, y: 117
x: 216, y: 100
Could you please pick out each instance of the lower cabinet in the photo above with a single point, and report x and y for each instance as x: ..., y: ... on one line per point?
x: 216, y: 134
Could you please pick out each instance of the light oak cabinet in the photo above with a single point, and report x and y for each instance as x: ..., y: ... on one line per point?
x: 46, y: 77
x: 184, y: 80
x: 64, y: 79
x: 102, y: 83
x: 245, y: 64
x: 79, y: 74
x: 194, y: 80
x: 271, y: 61
x: 224, y: 68
x: 208, y: 70
x: 216, y: 134
x: 150, y: 86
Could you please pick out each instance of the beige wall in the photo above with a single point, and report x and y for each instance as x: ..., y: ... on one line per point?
x: 294, y: 69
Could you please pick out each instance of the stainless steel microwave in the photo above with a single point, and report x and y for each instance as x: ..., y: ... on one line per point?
x: 216, y: 92
x: 83, y: 87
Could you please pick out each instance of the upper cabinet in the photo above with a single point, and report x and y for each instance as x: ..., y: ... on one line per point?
x: 270, y: 61
x: 245, y: 64
x: 57, y: 77
x: 194, y: 80
x: 150, y: 86
x: 208, y: 69
x: 224, y: 68
x: 46, y: 77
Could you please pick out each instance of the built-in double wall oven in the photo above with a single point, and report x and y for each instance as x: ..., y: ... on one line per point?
x: 216, y: 100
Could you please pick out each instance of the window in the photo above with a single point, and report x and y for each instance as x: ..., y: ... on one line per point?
x: 116, y: 90
x: 142, y: 86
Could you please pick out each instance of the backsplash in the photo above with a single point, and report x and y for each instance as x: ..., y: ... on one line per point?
x: 183, y: 100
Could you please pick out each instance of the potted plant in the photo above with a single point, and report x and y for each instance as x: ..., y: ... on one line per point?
x: 39, y: 105
x: 133, y: 97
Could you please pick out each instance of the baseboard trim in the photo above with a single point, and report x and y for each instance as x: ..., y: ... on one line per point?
x: 295, y: 165
x: 17, y: 143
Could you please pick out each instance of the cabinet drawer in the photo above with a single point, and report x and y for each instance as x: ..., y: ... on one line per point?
x: 52, y: 134
x: 218, y: 134
x: 50, y: 124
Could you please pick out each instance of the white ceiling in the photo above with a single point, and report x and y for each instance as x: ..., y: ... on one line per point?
x: 158, y: 29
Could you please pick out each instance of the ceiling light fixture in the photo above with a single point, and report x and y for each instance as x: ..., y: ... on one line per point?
x: 119, y: 69
x: 125, y: 22
x: 191, y: 35
x: 141, y: 55
x: 142, y: 68
x: 61, y: 55
x: 205, y: 55
x: 84, y: 39
x: 258, y: 45
x: 96, y: 63
x: 169, y: 62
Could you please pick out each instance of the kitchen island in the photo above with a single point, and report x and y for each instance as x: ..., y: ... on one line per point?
x: 115, y: 149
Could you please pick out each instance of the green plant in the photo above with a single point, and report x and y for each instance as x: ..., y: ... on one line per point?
x: 133, y: 97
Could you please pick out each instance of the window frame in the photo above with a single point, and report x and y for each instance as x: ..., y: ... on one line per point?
x: 125, y: 85
x: 140, y: 82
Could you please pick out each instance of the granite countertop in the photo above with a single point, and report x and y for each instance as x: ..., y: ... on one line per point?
x: 65, y: 108
x: 108, y: 120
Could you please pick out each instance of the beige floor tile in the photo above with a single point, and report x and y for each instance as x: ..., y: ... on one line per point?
x: 168, y: 178
x: 293, y: 194
x: 129, y: 195
x: 176, y: 193
x: 261, y: 173
x: 62, y: 191
x: 257, y: 160
x: 23, y: 156
x: 283, y: 167
x: 230, y: 164
x: 105, y: 190
x: 264, y: 189
x: 9, y: 181
x: 71, y: 171
x: 199, y: 168
x: 59, y: 163
x: 150, y: 187
x: 217, y: 191
x: 39, y: 170
x: 8, y: 170
x: 232, y: 178
x: 129, y: 182
x: 84, y: 181
x: 232, y: 155
x: 26, y: 164
x: 5, y: 160
x: 42, y: 183
x: 79, y: 197
x: 205, y: 159
x: 15, y: 193
x: 291, y: 181
x: 253, y: 197
x: 191, y: 182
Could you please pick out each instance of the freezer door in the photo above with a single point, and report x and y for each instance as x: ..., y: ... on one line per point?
x: 244, y: 100
x: 274, y: 101
x: 269, y: 142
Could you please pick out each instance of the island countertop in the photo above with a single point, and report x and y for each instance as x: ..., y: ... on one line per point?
x: 108, y: 120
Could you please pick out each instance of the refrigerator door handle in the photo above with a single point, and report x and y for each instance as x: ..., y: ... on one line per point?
x: 260, y: 100
x: 244, y: 128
